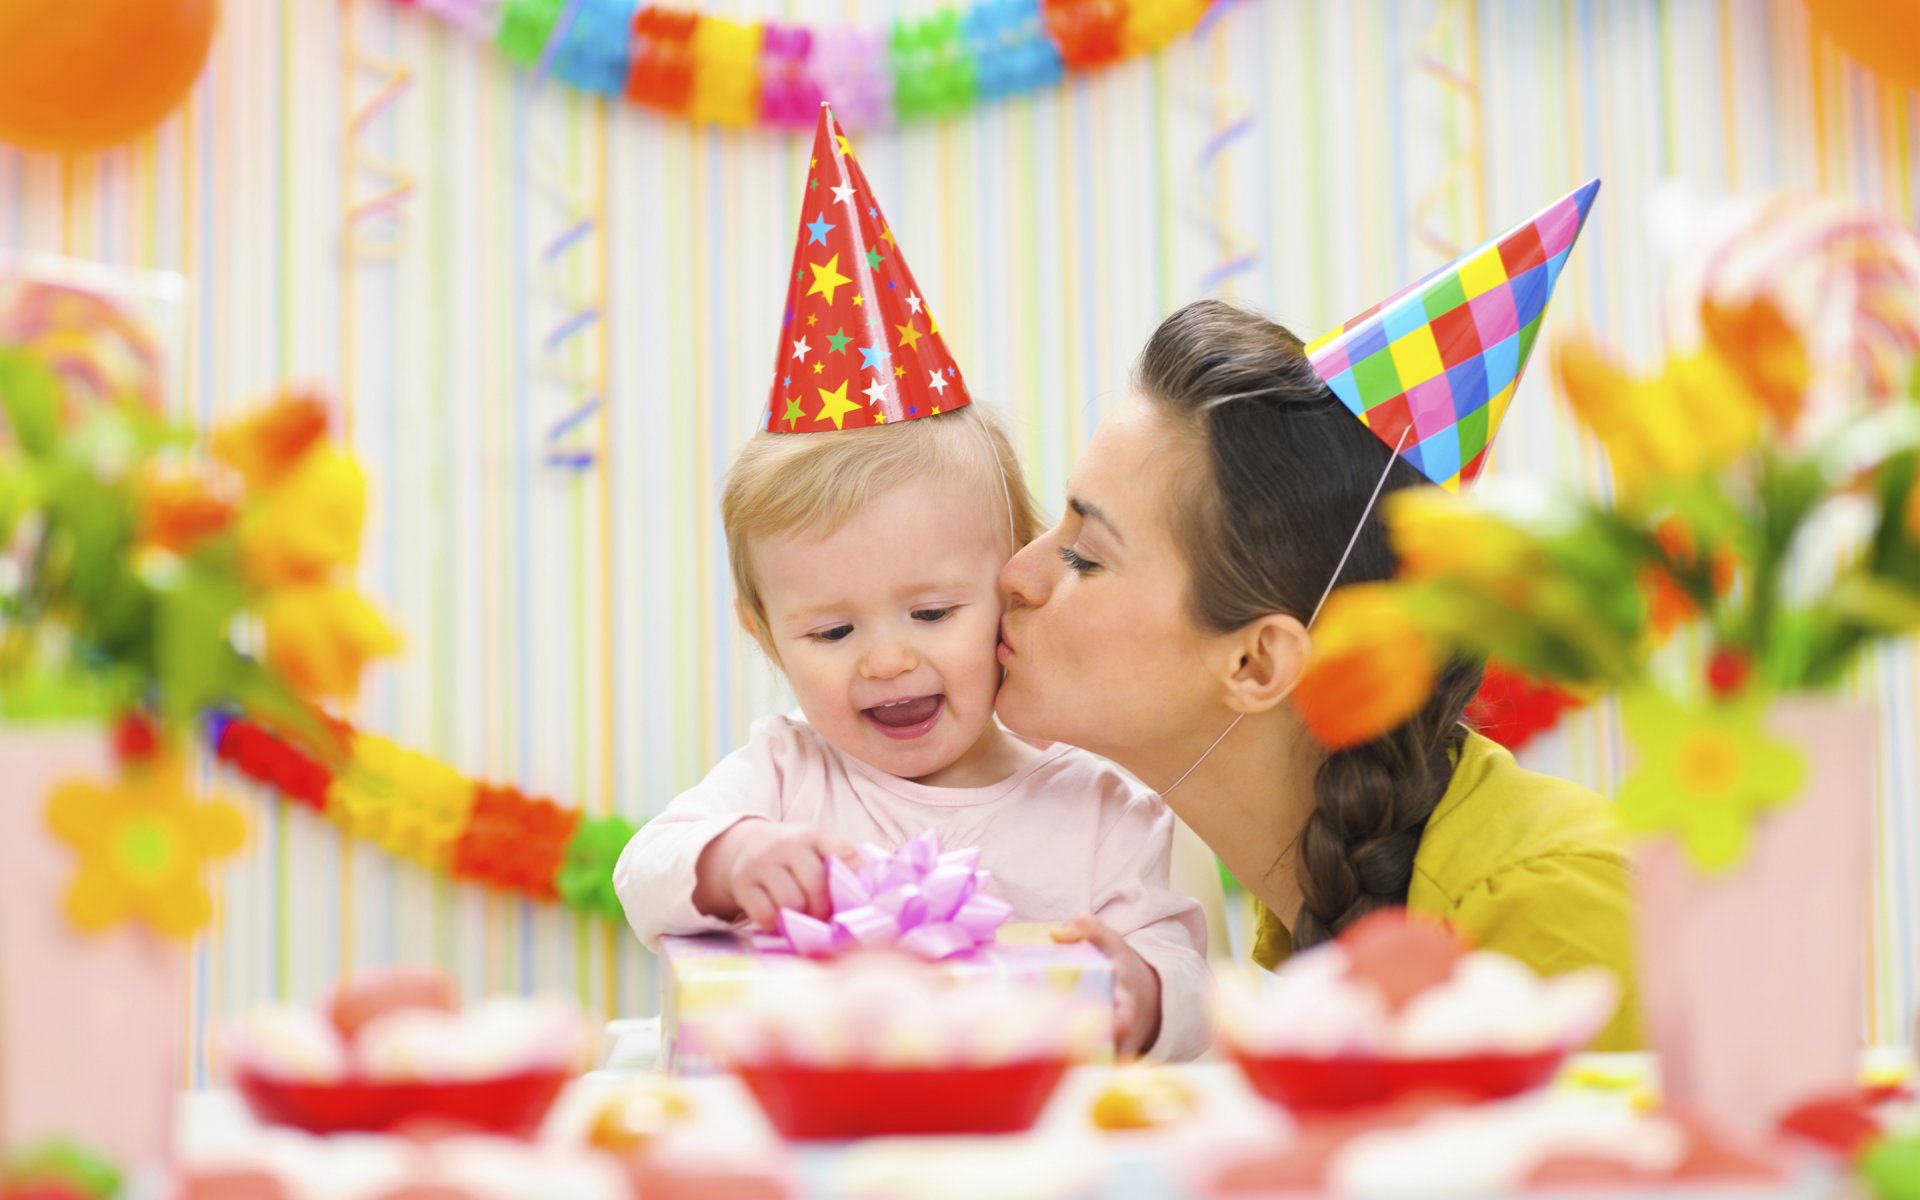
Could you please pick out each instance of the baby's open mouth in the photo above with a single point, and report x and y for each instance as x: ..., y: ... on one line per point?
x: 906, y: 718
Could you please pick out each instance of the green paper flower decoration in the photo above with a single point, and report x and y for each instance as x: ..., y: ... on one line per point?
x: 1706, y: 772
x: 585, y: 879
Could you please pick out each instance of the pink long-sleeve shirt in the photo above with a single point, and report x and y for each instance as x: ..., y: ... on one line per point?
x: 1065, y: 834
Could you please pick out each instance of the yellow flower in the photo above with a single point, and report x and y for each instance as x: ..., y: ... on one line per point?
x: 1439, y: 535
x: 308, y: 523
x: 264, y: 446
x: 1371, y: 668
x: 321, y: 638
x: 1705, y: 772
x: 143, y: 844
x: 406, y: 802
x: 1693, y: 418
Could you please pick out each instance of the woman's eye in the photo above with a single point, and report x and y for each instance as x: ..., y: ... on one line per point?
x: 931, y: 615
x: 1075, y: 562
x: 837, y: 633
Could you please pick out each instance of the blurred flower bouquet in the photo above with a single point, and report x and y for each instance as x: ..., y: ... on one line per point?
x: 1764, y: 500
x: 136, y: 578
x: 1765, y: 507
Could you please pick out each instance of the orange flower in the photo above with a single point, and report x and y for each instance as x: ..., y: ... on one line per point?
x: 265, y: 445
x: 177, y: 513
x: 1669, y: 605
x: 321, y: 639
x: 1765, y: 351
x: 1371, y: 668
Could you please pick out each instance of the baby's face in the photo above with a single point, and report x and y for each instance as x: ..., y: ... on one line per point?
x: 887, y: 629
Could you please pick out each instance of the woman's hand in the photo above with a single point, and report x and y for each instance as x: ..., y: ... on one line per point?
x: 759, y: 867
x: 1136, y: 985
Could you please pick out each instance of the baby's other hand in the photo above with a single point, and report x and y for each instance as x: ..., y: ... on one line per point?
x: 759, y: 867
x: 1136, y: 985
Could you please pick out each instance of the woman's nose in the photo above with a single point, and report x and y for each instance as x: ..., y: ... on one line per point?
x: 1024, y: 580
x: 888, y: 660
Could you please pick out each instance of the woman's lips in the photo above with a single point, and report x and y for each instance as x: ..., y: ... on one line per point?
x: 1004, y: 651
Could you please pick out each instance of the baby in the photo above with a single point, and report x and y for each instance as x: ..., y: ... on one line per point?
x: 865, y: 564
x: 867, y: 527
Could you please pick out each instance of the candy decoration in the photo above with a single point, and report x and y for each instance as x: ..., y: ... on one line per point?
x: 406, y: 802
x: 726, y: 81
x: 491, y: 834
x: 933, y: 72
x: 585, y: 879
x: 773, y: 74
x: 1087, y: 31
x: 1512, y: 709
x: 514, y: 841
x: 930, y: 904
x: 256, y: 752
x: 662, y: 72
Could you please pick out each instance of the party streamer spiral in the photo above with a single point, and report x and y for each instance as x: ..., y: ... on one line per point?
x: 1445, y: 58
x: 583, y: 309
x: 373, y: 225
x: 1230, y: 117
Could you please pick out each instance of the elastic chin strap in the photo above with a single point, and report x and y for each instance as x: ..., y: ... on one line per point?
x: 1353, y: 540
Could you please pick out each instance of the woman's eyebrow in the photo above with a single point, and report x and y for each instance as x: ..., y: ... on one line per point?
x: 1090, y: 512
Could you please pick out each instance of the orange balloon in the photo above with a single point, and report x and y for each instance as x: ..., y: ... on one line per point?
x: 1881, y: 35
x: 83, y: 74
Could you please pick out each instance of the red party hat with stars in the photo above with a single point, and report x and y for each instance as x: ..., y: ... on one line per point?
x: 858, y: 345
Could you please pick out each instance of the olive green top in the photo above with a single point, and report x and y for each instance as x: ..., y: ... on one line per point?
x: 1527, y: 865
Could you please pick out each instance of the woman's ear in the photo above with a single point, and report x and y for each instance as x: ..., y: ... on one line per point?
x: 1264, y: 662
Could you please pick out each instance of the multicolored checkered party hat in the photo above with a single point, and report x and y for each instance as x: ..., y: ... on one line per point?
x: 1431, y: 370
x: 858, y: 345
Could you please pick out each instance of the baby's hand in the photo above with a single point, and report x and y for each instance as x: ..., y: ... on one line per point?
x: 759, y: 867
x: 1136, y: 985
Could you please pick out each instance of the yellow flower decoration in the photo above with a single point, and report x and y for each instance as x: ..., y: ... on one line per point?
x: 143, y: 844
x: 308, y: 523
x: 1439, y: 535
x: 1705, y: 772
x: 320, y: 639
x: 1695, y: 417
x: 407, y: 803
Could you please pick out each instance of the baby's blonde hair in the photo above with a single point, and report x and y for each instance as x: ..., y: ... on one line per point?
x: 814, y: 482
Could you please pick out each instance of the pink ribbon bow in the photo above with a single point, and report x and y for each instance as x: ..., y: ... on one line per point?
x: 931, y: 905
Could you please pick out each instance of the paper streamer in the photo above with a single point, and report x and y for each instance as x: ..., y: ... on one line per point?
x: 583, y: 309
x: 1230, y: 117
x: 373, y: 226
x: 1446, y: 60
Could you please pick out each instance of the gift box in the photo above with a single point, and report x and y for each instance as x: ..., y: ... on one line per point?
x: 704, y: 975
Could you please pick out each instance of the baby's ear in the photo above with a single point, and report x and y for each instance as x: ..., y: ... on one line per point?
x: 753, y: 627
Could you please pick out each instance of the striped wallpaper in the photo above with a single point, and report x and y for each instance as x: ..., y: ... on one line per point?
x: 568, y: 628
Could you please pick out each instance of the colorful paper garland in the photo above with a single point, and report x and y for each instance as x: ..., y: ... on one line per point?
x: 712, y: 69
x: 416, y: 808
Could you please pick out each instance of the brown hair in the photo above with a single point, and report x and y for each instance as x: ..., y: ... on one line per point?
x: 814, y: 482
x: 1290, y: 472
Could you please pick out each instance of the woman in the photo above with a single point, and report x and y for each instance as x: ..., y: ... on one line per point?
x: 1164, y: 623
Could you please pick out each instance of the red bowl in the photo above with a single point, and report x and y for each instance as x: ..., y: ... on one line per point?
x: 1351, y: 1082
x: 513, y: 1105
x: 812, y: 1102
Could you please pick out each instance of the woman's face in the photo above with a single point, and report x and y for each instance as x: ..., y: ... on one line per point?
x: 1098, y: 644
